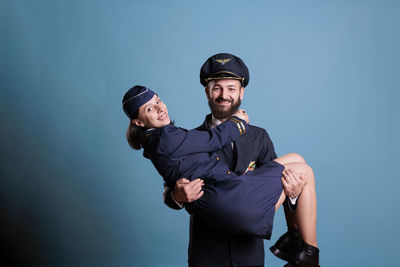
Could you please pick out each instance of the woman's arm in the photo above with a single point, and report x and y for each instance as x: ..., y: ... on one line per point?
x: 176, y: 142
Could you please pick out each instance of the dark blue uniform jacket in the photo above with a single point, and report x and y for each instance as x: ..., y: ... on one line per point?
x: 208, y: 247
x: 176, y: 152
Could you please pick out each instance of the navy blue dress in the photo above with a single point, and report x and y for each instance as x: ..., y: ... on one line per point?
x: 231, y: 203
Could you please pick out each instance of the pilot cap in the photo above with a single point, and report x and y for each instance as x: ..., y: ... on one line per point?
x: 224, y: 66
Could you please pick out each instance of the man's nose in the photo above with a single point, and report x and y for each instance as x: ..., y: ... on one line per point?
x: 224, y: 94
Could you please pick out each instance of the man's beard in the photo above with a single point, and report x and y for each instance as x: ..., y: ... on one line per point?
x: 223, y: 114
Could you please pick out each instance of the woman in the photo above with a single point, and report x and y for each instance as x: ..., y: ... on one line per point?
x: 231, y: 203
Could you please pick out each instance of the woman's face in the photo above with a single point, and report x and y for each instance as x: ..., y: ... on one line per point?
x: 153, y: 114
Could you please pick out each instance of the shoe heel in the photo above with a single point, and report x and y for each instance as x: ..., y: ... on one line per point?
x: 278, y: 253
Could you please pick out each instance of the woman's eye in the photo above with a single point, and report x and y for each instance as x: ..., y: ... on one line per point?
x: 149, y: 109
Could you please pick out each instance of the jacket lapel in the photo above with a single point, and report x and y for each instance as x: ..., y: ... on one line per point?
x: 228, y: 156
x: 241, y: 154
x: 226, y: 152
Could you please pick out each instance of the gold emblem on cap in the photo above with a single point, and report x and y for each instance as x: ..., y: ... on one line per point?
x: 223, y: 61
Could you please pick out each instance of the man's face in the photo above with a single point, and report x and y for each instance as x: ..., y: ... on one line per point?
x: 224, y: 97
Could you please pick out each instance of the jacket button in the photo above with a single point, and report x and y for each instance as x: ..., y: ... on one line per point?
x: 217, y: 158
x: 228, y: 172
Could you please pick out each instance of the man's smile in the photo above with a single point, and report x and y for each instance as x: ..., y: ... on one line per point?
x: 223, y: 102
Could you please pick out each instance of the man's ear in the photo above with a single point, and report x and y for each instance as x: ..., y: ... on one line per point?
x: 206, y: 90
x: 241, y: 93
x: 138, y: 122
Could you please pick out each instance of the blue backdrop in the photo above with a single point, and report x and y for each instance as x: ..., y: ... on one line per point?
x: 324, y: 83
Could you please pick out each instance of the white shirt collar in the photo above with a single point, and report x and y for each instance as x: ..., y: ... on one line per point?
x: 214, y: 122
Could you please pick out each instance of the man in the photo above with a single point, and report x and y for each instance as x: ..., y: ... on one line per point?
x: 225, y: 77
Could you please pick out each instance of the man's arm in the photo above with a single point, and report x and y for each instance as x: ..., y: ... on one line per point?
x: 267, y: 152
x: 169, y: 201
x: 184, y: 191
x: 292, y: 189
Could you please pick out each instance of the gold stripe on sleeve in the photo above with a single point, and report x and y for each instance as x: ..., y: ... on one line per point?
x: 238, y: 124
x: 240, y: 130
x: 244, y: 128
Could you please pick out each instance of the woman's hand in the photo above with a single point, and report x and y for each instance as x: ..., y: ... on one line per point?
x: 241, y: 114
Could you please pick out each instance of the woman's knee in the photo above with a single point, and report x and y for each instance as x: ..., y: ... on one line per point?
x: 309, y: 173
x: 302, y: 168
x: 296, y: 157
x: 290, y: 158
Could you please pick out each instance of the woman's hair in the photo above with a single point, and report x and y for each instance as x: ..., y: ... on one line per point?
x: 135, y: 134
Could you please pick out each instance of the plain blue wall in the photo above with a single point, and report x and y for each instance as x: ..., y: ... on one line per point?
x: 324, y: 83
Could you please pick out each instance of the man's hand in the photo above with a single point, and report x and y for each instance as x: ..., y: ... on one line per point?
x: 292, y: 182
x: 242, y: 115
x: 188, y: 191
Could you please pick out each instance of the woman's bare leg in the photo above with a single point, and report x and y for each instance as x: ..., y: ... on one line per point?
x: 305, y: 214
x: 290, y: 158
x: 280, y: 200
x: 285, y: 159
x: 299, y: 177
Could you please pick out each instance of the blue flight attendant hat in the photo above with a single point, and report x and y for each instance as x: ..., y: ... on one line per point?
x: 135, y: 98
